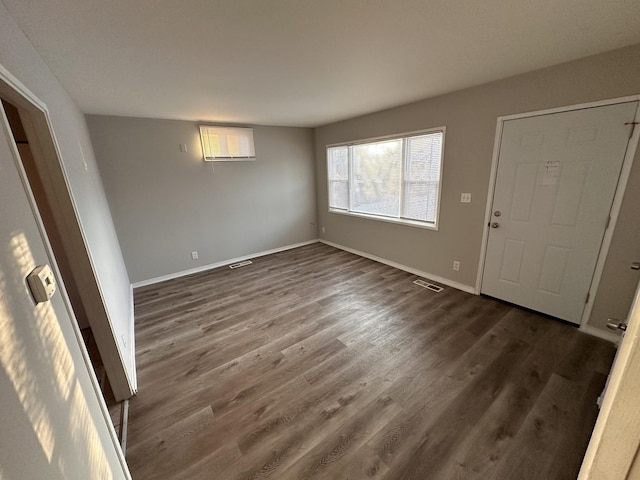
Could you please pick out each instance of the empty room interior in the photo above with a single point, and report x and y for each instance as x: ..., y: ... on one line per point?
x: 292, y: 240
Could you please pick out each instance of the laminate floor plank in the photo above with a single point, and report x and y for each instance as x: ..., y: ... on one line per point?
x: 340, y: 387
x: 531, y: 454
x: 449, y: 427
x: 314, y: 363
x: 478, y: 454
x: 349, y: 436
x: 568, y: 457
x: 184, y: 441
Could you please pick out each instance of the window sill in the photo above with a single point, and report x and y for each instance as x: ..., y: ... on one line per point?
x: 400, y: 221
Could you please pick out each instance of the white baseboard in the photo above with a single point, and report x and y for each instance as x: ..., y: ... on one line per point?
x: 597, y: 332
x: 415, y: 271
x: 171, y: 276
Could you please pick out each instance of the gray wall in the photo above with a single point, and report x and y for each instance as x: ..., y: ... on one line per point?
x: 33, y: 401
x: 470, y: 117
x: 166, y: 204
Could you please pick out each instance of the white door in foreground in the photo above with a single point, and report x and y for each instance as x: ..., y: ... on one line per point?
x: 53, y: 423
x: 556, y: 178
x: 613, y: 449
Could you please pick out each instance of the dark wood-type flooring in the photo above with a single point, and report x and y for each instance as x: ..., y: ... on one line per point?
x: 115, y: 408
x: 318, y: 364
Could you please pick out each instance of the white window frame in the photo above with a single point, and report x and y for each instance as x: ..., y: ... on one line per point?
x: 398, y: 136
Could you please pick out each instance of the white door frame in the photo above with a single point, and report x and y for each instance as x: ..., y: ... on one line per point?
x: 13, y: 90
x: 47, y: 157
x: 615, y: 208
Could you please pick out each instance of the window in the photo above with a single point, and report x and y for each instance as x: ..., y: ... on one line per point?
x: 395, y: 179
x: 226, y: 143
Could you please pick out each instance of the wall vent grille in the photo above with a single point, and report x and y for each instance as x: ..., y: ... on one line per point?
x: 240, y: 264
x: 430, y: 286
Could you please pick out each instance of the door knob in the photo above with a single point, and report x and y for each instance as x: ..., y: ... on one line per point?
x: 635, y: 266
x: 495, y: 225
x: 615, y: 324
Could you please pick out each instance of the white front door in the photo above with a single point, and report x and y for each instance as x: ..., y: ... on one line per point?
x: 556, y: 178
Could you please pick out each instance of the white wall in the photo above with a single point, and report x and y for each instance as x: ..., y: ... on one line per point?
x: 470, y: 117
x: 19, y: 57
x: 167, y: 204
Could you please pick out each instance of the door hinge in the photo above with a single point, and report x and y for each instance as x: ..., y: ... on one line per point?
x: 608, y: 222
x: 588, y: 296
x: 633, y: 127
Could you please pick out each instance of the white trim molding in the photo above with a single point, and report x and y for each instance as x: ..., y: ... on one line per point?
x: 625, y: 173
x: 223, y: 263
x: 132, y: 337
x: 399, y: 266
x: 487, y: 215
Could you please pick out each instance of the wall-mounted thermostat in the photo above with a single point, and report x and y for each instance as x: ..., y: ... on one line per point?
x: 42, y: 283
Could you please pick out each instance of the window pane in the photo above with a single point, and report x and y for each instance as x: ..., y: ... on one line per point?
x: 376, y: 176
x: 338, y: 163
x: 338, y: 174
x: 226, y: 142
x: 420, y: 201
x: 338, y: 194
x: 423, y: 157
x: 422, y: 176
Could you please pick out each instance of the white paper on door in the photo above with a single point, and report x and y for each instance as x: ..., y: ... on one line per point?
x: 551, y: 173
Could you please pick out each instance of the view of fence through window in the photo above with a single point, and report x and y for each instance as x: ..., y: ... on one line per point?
x: 395, y: 178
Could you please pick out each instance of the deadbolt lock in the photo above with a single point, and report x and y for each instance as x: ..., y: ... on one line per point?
x: 497, y: 213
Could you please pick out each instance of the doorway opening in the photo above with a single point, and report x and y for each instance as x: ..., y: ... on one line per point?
x: 62, y: 254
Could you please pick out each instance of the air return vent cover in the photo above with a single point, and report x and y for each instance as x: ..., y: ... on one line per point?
x: 430, y: 286
x: 240, y: 264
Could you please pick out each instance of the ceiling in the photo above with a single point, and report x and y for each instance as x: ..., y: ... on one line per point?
x: 304, y: 62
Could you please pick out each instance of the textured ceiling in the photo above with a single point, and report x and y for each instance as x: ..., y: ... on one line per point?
x: 304, y: 62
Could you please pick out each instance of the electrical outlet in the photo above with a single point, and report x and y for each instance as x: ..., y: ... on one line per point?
x: 456, y: 265
x: 465, y: 197
x: 324, y: 230
x: 194, y: 255
x: 183, y: 147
